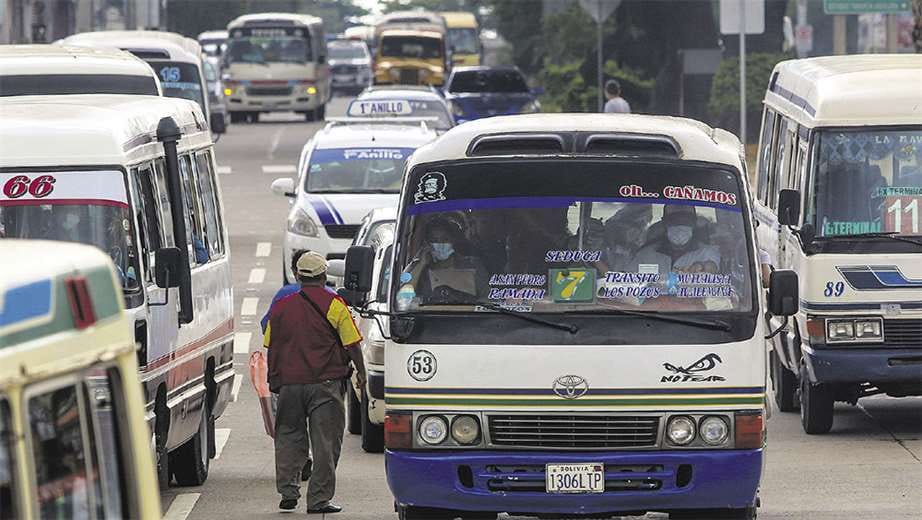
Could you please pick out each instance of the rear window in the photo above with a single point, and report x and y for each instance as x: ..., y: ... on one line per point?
x: 488, y: 81
x: 56, y: 84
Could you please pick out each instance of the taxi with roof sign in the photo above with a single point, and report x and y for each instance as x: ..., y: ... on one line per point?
x: 422, y: 101
x: 353, y: 165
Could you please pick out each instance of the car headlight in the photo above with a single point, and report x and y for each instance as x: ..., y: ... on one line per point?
x: 433, y: 429
x: 300, y: 223
x: 465, y: 429
x: 714, y: 431
x: 531, y: 107
x: 680, y: 430
x: 393, y: 73
x: 376, y: 352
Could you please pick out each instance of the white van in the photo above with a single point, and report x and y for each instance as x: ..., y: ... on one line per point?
x: 32, y: 70
x: 839, y: 188
x: 135, y: 176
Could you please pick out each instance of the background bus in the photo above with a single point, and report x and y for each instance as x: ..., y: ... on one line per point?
x: 410, y: 49
x: 463, y: 37
x: 276, y: 62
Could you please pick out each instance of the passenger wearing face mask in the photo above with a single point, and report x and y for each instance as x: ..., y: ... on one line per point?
x: 680, y: 249
x: 442, y: 272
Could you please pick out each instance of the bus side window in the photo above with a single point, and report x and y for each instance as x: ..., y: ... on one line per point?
x: 163, y: 199
x: 791, y: 168
x: 198, y: 253
x: 106, y: 434
x: 148, y: 216
x: 765, y: 154
x: 779, y: 159
x: 212, y: 218
x: 7, y: 465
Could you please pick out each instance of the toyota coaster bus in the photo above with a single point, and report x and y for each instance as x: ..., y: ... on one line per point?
x: 839, y: 194
x: 582, y: 343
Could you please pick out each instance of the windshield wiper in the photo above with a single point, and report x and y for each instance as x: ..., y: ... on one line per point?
x: 658, y: 315
x: 893, y: 235
x: 569, y: 327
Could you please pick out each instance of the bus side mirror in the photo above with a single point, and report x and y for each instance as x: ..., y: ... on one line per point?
x: 783, y: 293
x: 789, y: 207
x: 167, y: 261
x: 359, y: 263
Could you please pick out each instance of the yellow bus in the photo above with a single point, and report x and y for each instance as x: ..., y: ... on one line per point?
x: 73, y: 442
x: 463, y: 38
x: 410, y: 49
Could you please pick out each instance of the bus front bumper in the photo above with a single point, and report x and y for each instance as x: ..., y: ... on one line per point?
x: 513, y: 482
x: 238, y: 103
x: 859, y: 365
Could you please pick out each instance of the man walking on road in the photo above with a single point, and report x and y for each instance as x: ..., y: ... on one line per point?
x: 615, y: 104
x: 311, y: 339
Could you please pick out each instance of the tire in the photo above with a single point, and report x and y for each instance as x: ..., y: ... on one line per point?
x: 254, y: 117
x: 321, y: 112
x: 162, y: 457
x: 238, y: 117
x: 309, y: 116
x: 190, y: 462
x: 747, y: 513
x: 784, y: 384
x: 816, y: 405
x: 372, y: 434
x: 424, y: 513
x: 353, y: 412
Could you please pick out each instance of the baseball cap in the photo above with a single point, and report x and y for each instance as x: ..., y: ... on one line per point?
x: 311, y: 264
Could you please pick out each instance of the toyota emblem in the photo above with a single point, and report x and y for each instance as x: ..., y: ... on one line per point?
x: 570, y: 386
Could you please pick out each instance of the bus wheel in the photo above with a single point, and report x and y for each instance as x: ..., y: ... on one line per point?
x: 424, y: 513
x: 816, y: 405
x: 238, y: 117
x: 354, y: 417
x: 254, y: 117
x: 785, y: 385
x: 372, y: 434
x: 321, y: 112
x: 190, y: 462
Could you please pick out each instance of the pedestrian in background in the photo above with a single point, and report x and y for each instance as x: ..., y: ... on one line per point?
x: 311, y: 340
x: 615, y: 104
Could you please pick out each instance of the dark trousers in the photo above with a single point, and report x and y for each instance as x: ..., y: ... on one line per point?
x: 316, y: 408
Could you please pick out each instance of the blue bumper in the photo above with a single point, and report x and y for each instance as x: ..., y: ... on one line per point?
x: 859, y: 365
x: 513, y: 482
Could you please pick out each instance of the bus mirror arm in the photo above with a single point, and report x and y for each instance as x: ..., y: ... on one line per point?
x: 169, y: 133
x: 784, y: 325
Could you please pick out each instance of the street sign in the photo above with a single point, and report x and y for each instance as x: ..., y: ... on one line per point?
x: 599, y: 10
x: 730, y: 16
x: 866, y: 6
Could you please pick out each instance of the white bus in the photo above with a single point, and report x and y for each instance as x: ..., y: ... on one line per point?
x: 839, y: 189
x: 177, y: 60
x: 576, y: 324
x: 135, y: 176
x: 277, y: 62
x: 30, y: 70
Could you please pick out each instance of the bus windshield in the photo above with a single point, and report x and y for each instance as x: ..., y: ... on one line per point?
x: 356, y: 170
x: 264, y: 46
x: 411, y: 47
x: 84, y: 207
x: 464, y: 41
x: 606, y: 236
x: 180, y: 80
x: 867, y: 181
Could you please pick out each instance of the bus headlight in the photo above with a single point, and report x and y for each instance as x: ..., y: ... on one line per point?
x: 868, y: 330
x: 714, y: 431
x: 300, y: 223
x: 680, y: 430
x: 433, y: 429
x: 840, y: 330
x: 465, y: 429
x: 311, y: 90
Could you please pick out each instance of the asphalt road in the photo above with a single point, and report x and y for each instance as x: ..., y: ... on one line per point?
x: 869, y: 467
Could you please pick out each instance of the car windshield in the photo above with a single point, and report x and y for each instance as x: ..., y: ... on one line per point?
x: 266, y: 46
x: 474, y: 81
x: 464, y: 41
x: 867, y: 181
x: 608, y: 235
x: 356, y: 170
x: 180, y: 80
x: 411, y: 47
x: 213, y: 47
x: 346, y: 52
x: 85, y: 207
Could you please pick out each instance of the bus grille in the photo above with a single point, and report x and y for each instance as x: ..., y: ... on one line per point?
x: 903, y: 333
x: 269, y: 91
x: 344, y: 69
x: 409, y: 76
x: 573, y: 431
x: 341, y: 231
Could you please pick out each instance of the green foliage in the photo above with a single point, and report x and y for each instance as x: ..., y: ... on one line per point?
x: 565, y: 89
x: 725, y: 101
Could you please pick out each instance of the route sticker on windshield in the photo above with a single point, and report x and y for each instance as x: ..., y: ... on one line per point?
x: 422, y: 365
x: 572, y: 285
x: 431, y: 188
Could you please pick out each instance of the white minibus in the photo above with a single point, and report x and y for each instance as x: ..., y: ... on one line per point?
x: 575, y: 322
x: 135, y: 177
x: 839, y: 189
x: 276, y: 62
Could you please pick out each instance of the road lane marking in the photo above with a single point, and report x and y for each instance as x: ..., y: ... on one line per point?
x: 224, y: 170
x: 264, y: 249
x: 235, y: 390
x: 182, y: 506
x: 257, y: 275
x: 274, y: 144
x: 279, y: 169
x: 242, y: 339
x: 220, y: 439
x: 248, y: 306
